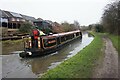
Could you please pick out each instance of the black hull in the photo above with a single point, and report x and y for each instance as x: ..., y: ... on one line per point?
x: 37, y: 53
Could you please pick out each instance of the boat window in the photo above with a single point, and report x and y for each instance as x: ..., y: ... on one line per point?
x: 49, y: 42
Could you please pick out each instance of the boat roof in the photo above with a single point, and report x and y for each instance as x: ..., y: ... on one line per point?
x: 62, y: 34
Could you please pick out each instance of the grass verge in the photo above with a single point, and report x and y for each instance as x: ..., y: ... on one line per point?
x: 11, y: 45
x: 80, y: 65
x: 12, y: 41
x: 115, y: 40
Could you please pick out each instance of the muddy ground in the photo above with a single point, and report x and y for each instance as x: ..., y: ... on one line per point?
x: 108, y: 66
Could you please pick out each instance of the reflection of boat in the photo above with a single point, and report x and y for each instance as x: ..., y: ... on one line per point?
x: 39, y: 45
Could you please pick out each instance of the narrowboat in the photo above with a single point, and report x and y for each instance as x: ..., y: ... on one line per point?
x: 37, y: 45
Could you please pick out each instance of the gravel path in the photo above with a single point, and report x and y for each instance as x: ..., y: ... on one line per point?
x: 108, y: 67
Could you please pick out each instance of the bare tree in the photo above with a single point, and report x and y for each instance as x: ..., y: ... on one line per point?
x: 110, y: 18
x: 76, y: 24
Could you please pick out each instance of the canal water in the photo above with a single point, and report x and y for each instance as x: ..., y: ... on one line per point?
x: 15, y: 67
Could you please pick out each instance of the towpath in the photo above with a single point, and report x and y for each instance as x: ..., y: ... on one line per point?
x: 108, y: 66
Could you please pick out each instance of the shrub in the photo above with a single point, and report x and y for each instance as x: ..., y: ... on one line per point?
x: 26, y: 28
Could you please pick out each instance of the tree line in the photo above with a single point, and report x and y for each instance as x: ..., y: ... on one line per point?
x: 57, y: 28
x: 111, y: 17
x: 110, y: 20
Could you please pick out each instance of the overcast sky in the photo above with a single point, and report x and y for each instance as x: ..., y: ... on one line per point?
x: 84, y: 11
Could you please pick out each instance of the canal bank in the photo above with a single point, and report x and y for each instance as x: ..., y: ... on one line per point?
x: 97, y: 60
x: 82, y: 64
x: 10, y: 46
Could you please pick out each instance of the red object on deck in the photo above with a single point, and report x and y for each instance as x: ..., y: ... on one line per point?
x: 35, y: 33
